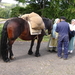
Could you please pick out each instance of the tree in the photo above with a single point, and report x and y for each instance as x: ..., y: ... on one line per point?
x: 41, y: 3
x: 4, y: 13
x: 17, y: 11
x: 52, y: 8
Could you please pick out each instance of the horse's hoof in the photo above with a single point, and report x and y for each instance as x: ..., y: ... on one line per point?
x: 7, y: 60
x: 37, y: 55
x: 12, y: 57
x: 30, y: 52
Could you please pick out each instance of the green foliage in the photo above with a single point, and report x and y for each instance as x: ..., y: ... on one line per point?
x: 22, y: 1
x: 4, y: 13
x: 7, y: 5
x: 32, y: 8
x: 51, y: 8
x: 17, y: 11
x: 1, y: 26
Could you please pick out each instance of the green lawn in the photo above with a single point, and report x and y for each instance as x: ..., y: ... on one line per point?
x: 1, y: 26
x: 45, y: 39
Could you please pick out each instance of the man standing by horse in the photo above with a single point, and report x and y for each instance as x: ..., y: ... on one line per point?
x: 63, y: 37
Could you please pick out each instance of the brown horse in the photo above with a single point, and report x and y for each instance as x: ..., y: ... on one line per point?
x: 17, y: 27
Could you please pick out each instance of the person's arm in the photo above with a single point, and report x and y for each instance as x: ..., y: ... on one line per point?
x: 57, y: 28
x: 53, y: 31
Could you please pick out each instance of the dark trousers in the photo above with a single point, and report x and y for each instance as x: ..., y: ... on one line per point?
x: 64, y: 42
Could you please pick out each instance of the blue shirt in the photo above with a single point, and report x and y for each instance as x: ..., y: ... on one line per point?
x: 63, y: 30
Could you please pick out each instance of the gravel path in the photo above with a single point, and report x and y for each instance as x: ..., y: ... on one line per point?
x: 47, y: 64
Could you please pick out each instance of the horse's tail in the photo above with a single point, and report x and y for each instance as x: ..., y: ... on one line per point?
x: 4, y: 41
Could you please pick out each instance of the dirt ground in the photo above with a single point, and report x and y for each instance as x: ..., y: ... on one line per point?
x: 47, y: 64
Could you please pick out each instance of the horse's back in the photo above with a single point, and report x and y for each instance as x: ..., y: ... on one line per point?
x: 15, y: 27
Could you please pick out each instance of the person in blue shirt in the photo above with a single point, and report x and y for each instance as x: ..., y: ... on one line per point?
x: 52, y: 44
x: 63, y: 38
x: 54, y: 34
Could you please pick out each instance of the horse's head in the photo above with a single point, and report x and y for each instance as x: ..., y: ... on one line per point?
x: 48, y: 24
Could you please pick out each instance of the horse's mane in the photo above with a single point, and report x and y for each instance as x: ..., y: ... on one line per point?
x: 46, y: 18
x: 48, y: 23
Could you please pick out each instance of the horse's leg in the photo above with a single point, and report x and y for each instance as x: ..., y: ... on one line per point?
x: 38, y: 46
x: 9, y: 46
x: 30, y: 50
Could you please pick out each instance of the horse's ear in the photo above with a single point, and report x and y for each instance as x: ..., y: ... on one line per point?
x: 52, y: 20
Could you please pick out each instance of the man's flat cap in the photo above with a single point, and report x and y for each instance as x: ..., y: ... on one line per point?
x: 62, y: 17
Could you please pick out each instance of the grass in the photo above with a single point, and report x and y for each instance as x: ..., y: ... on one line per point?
x: 45, y: 39
x: 1, y: 26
